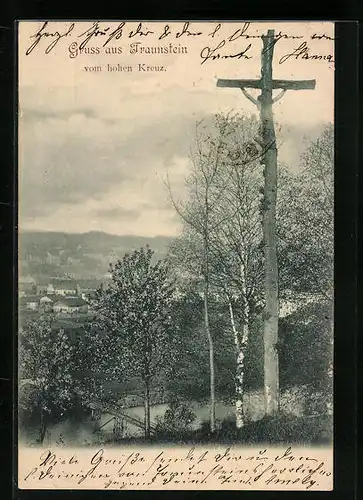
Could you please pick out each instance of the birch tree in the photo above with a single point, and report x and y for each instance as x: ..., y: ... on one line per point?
x: 237, y: 239
x: 199, y: 217
x: 224, y: 227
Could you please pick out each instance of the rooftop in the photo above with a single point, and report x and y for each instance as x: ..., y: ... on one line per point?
x: 54, y: 297
x: 64, y: 284
x: 71, y: 302
x: 74, y: 322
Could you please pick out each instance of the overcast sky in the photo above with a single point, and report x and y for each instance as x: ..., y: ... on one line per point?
x: 94, y: 149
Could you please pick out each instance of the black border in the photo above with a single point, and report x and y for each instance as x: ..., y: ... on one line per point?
x: 346, y: 122
x: 346, y: 263
x: 7, y: 247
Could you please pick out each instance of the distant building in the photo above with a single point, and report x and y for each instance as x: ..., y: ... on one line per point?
x: 50, y: 288
x: 60, y: 286
x: 46, y: 302
x: 68, y: 286
x: 26, y: 285
x: 29, y: 302
x: 64, y: 286
x: 45, y: 299
x: 70, y: 305
x: 42, y: 284
x: 72, y: 286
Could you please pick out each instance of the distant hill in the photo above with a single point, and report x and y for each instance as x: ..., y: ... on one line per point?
x: 43, y: 254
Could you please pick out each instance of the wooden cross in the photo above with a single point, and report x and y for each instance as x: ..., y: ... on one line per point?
x: 264, y: 104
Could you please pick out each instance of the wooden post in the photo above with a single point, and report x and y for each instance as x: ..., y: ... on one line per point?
x: 271, y: 313
x: 264, y: 103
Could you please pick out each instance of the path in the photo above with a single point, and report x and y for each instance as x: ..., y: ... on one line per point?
x: 119, y: 412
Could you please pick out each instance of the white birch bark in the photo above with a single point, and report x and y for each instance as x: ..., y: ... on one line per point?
x: 240, y: 340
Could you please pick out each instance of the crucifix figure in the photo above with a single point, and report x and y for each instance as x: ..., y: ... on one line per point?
x: 264, y: 104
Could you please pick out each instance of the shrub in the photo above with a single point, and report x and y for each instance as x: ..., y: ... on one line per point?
x: 278, y: 430
x: 176, y: 422
x: 285, y: 429
x: 306, y: 347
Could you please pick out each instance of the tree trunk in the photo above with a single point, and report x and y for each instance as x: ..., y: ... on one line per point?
x: 271, y: 377
x: 43, y: 426
x: 206, y: 315
x: 240, y: 414
x: 147, y: 407
x: 211, y: 356
x: 241, y: 345
x: 239, y: 370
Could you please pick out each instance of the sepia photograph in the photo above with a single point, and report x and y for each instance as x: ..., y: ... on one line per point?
x: 176, y: 229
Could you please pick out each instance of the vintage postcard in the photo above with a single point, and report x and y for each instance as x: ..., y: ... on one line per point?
x: 176, y: 184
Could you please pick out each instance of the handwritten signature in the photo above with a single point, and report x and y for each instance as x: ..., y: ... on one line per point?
x: 211, y: 52
x: 54, y: 35
x: 303, y: 52
x: 96, y: 31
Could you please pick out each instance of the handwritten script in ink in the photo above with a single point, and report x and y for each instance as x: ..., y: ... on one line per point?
x: 220, y: 41
x: 176, y: 468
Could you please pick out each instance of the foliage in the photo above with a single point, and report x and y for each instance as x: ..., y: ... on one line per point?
x: 93, y: 366
x: 46, y: 364
x: 225, y: 169
x: 135, y: 315
x: 281, y: 429
x: 220, y: 251
x: 177, y: 420
x: 306, y: 221
x: 148, y: 332
x: 189, y: 378
x: 306, y: 348
x: 134, y: 312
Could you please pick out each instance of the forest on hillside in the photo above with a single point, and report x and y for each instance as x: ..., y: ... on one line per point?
x: 44, y: 254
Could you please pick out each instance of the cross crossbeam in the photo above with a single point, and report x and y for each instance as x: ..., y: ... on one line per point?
x: 276, y: 84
